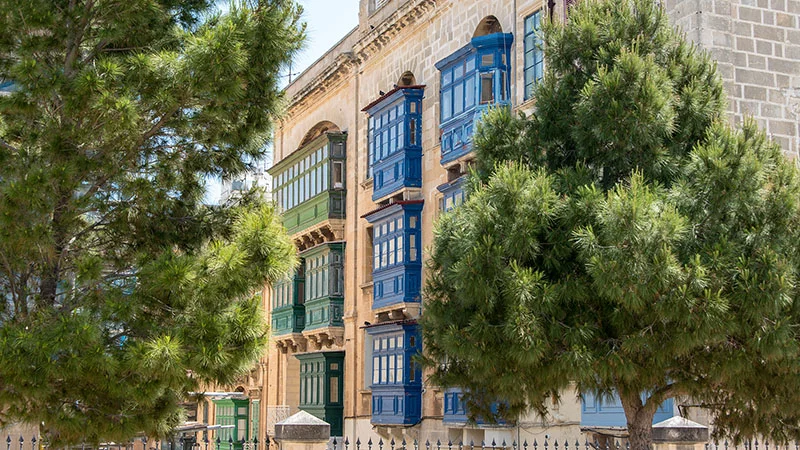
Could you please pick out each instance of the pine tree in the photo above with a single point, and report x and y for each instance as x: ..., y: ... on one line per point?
x: 121, y: 291
x: 623, y: 239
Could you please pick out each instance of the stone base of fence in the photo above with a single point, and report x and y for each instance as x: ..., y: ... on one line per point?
x: 678, y: 433
x: 302, y: 431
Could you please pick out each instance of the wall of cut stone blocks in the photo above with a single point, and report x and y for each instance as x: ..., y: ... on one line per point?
x: 756, y: 44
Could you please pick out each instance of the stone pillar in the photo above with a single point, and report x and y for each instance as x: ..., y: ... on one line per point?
x: 678, y: 433
x: 302, y: 431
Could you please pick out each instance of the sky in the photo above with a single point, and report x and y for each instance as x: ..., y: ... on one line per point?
x: 327, y: 21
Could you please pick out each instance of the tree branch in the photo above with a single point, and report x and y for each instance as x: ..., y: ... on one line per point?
x: 8, y: 146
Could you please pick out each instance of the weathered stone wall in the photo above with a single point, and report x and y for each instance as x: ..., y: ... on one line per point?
x: 756, y: 42
x: 757, y: 47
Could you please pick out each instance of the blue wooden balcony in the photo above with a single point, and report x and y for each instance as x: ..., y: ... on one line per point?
x: 395, y: 140
x: 396, y: 380
x: 606, y: 411
x: 397, y: 257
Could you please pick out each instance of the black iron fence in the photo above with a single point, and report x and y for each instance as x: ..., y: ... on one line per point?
x: 337, y: 443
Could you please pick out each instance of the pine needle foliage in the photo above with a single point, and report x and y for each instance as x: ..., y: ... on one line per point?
x: 120, y: 291
x: 623, y: 239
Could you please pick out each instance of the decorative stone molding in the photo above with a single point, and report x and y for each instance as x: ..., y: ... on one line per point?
x: 381, y: 35
x: 328, y: 337
x: 328, y: 231
x: 399, y: 311
x: 343, y: 65
x: 291, y: 343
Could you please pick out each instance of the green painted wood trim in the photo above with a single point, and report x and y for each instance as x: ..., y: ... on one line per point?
x: 306, y: 150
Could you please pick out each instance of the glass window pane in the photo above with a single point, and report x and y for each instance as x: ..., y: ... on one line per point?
x: 487, y: 92
x: 458, y: 99
x: 338, y: 174
x: 399, y: 368
x: 333, y: 392
x: 469, y: 92
x: 399, y: 249
x: 447, y: 106
x: 391, y: 369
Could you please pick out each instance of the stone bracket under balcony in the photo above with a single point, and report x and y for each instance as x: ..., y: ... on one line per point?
x: 397, y: 311
x: 325, y: 231
x: 326, y: 337
x: 291, y: 343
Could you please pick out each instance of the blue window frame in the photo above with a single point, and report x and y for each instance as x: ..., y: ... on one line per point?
x: 396, y: 380
x: 534, y: 56
x: 473, y: 78
x: 457, y: 93
x: 394, y: 150
x: 452, y: 194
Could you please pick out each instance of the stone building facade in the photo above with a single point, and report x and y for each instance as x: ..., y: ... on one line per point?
x: 372, y: 149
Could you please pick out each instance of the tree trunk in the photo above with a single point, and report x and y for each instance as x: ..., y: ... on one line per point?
x: 640, y: 420
x: 640, y: 431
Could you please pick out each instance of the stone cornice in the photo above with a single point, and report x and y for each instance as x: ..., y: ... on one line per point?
x: 367, y: 46
x: 341, y: 67
x: 383, y: 33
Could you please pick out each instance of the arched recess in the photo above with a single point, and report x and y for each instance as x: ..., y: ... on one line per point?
x: 318, y: 130
x: 407, y: 79
x: 488, y: 25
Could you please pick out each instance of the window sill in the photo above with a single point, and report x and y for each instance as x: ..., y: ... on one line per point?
x: 367, y: 285
x: 366, y: 184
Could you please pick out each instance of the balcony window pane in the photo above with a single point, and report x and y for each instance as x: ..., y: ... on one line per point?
x: 469, y: 92
x: 447, y: 104
x: 487, y: 91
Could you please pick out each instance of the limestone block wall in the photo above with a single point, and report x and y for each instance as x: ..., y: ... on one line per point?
x: 757, y: 47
